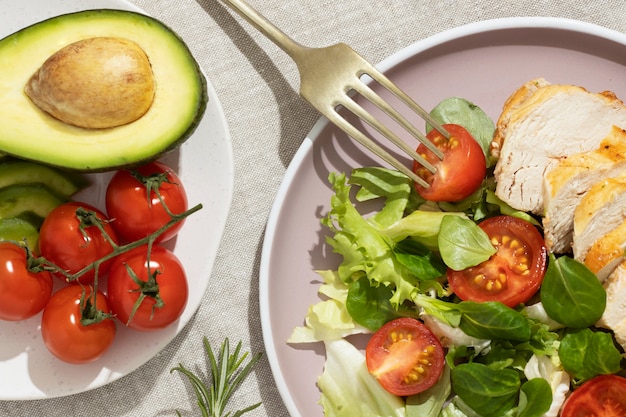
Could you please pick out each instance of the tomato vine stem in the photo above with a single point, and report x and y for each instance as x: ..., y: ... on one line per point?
x: 89, y: 311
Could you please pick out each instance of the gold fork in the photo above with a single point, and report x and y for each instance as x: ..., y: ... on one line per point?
x: 330, y: 76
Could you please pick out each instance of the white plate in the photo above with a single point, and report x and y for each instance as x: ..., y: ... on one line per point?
x: 205, y: 165
x: 483, y: 62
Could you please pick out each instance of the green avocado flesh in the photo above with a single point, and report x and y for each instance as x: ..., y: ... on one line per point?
x: 29, y: 191
x: 16, y: 171
x: 20, y: 230
x: 30, y: 133
x: 35, y: 199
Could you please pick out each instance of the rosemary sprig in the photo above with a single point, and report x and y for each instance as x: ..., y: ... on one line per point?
x: 226, y: 376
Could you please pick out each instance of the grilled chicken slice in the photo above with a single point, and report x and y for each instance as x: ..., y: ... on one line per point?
x: 599, y: 237
x: 606, y: 253
x: 544, y: 126
x: 614, y: 316
x: 570, y: 179
x: 510, y: 105
x: 600, y: 211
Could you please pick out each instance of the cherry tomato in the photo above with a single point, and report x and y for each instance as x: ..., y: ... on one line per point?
x: 159, y: 298
x: 604, y: 395
x: 514, y: 273
x: 405, y: 357
x: 460, y: 172
x: 22, y: 293
x: 134, y: 214
x: 65, y: 244
x: 63, y: 333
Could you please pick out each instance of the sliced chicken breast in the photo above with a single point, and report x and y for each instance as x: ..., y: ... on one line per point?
x: 570, y: 179
x: 553, y: 122
x: 599, y: 212
x: 606, y: 253
x: 614, y: 316
x: 513, y: 103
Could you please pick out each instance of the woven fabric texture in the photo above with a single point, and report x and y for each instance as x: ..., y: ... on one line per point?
x: 257, y: 85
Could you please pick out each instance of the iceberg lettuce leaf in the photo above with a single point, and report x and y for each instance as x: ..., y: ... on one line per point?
x: 327, y: 319
x: 349, y: 390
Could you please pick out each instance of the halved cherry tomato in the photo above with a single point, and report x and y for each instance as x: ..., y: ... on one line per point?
x: 514, y: 273
x: 604, y: 395
x: 459, y: 173
x: 152, y: 302
x: 71, y: 247
x: 405, y: 357
x: 134, y: 206
x: 63, y: 332
x: 22, y: 293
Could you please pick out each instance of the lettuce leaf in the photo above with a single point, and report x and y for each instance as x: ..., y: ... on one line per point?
x: 467, y: 114
x: 366, y: 244
x: 349, y: 390
x: 327, y: 319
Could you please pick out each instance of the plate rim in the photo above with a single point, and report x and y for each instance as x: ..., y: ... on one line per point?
x: 419, y: 46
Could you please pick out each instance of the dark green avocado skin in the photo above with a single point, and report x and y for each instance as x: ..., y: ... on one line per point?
x: 31, y: 134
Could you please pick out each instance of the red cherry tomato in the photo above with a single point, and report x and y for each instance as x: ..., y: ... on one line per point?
x: 167, y: 284
x: 603, y: 395
x: 65, y: 244
x: 405, y: 357
x: 514, y: 273
x: 22, y: 293
x: 460, y: 172
x: 134, y: 214
x: 63, y: 333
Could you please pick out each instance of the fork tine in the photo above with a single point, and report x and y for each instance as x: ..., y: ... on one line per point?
x: 379, y: 77
x: 318, y: 67
x: 383, y: 105
x: 363, y: 114
x: 368, y: 143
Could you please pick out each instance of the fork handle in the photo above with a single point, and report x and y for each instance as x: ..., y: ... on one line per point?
x: 291, y: 47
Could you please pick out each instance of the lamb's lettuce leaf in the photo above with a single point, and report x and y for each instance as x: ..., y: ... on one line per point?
x: 488, y: 391
x: 571, y: 294
x: 462, y: 112
x: 585, y: 354
x: 370, y: 306
x: 462, y: 243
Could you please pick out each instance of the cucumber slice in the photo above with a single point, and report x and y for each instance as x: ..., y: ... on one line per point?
x: 19, y: 230
x: 16, y: 171
x: 20, y: 199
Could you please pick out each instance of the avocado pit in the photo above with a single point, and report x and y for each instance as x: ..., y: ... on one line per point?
x: 94, y: 83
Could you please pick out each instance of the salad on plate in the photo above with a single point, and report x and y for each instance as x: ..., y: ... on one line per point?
x: 450, y: 300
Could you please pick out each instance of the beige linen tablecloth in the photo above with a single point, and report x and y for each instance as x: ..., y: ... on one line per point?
x: 257, y: 85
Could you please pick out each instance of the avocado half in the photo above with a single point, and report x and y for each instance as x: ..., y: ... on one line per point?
x: 179, y: 103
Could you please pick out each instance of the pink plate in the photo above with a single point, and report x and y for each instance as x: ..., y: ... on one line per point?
x: 482, y: 62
